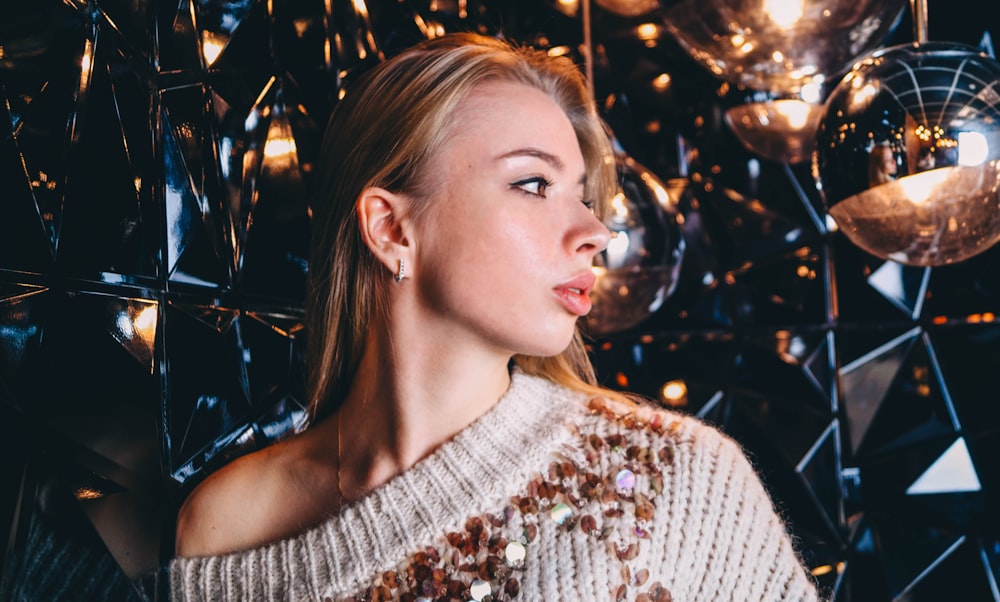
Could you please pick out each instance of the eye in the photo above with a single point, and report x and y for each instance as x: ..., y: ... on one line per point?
x: 589, y: 204
x: 535, y: 185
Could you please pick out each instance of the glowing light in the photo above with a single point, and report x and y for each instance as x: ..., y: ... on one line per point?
x: 279, y: 147
x: 795, y: 113
x: 973, y: 149
x: 661, y: 82
x: 211, y: 46
x: 862, y: 96
x: 812, y: 92
x: 784, y: 13
x: 144, y: 323
x: 617, y: 248
x: 360, y: 8
x: 648, y: 31
x: 919, y: 189
x: 674, y: 393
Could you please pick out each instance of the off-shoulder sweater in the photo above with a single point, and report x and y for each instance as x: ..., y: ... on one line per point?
x: 550, y: 495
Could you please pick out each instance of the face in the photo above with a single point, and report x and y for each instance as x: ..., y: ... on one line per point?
x: 888, y: 161
x: 504, y: 250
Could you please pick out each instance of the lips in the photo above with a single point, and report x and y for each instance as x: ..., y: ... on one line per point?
x: 574, y: 294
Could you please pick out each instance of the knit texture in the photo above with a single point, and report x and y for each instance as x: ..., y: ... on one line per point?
x: 548, y: 496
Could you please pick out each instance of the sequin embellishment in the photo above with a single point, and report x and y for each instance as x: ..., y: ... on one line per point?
x: 604, y: 485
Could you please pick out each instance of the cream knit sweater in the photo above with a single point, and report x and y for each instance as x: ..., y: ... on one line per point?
x: 548, y: 496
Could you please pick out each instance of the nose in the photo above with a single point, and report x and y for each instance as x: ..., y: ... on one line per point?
x: 589, y: 234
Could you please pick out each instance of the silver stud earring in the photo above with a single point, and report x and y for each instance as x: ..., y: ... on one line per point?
x: 402, y: 271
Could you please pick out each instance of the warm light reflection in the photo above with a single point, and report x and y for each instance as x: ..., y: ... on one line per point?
x: 825, y: 569
x: 648, y: 31
x: 360, y: 8
x: 661, y: 82
x: 863, y: 96
x: 674, y: 393
x: 618, y: 204
x: 918, y: 189
x: 617, y: 248
x: 279, y: 147
x: 973, y: 150
x: 86, y: 65
x: 784, y: 13
x: 212, y: 46
x: 796, y: 114
x: 144, y: 324
x: 87, y: 493
x: 658, y: 191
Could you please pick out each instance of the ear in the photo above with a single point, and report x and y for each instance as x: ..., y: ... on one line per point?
x: 382, y: 221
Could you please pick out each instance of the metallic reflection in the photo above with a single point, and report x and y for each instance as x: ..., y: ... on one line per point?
x: 779, y: 130
x: 780, y: 45
x: 638, y: 270
x: 909, y: 154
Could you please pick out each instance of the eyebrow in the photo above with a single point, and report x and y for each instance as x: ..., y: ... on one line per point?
x: 549, y: 158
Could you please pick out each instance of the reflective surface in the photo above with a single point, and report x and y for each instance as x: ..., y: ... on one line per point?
x: 151, y: 278
x: 779, y: 130
x: 789, y: 46
x: 909, y: 151
x: 638, y: 269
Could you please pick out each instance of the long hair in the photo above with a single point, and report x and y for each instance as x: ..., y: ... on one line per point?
x: 382, y: 134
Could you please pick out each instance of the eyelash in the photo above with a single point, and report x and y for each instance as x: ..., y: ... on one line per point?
x: 543, y: 184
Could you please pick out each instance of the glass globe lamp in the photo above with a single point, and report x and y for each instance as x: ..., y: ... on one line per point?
x: 908, y: 153
x: 778, y: 129
x: 638, y: 270
x: 786, y: 50
x: 780, y: 45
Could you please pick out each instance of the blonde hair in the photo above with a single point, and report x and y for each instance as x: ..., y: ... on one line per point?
x: 381, y: 135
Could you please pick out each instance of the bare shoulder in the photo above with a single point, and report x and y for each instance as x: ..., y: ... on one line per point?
x: 256, y: 499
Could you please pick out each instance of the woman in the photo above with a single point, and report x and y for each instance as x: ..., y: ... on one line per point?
x: 460, y: 448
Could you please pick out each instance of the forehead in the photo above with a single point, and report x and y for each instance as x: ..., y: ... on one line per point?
x: 497, y: 117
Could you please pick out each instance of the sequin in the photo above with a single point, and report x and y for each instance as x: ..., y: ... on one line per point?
x: 560, y: 513
x: 514, y: 553
x: 479, y: 590
x: 625, y: 480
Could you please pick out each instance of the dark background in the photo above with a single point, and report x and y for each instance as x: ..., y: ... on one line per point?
x: 153, y: 235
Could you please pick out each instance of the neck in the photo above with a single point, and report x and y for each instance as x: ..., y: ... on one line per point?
x: 411, y: 394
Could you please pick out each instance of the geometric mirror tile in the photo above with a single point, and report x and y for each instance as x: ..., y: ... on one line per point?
x: 867, y: 379
x: 952, y: 472
x: 904, y: 286
x: 99, y: 387
x: 274, y: 350
x: 269, y: 199
x: 792, y: 364
x: 958, y: 573
x: 820, y: 367
x: 917, y: 404
x: 820, y: 469
x: 196, y: 224
x: 131, y: 20
x: 22, y: 333
x: 218, y: 22
x: 60, y: 556
x: 24, y: 242
x: 790, y: 429
x: 104, y: 228
x: 178, y: 47
x: 910, y: 552
x: 207, y: 382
